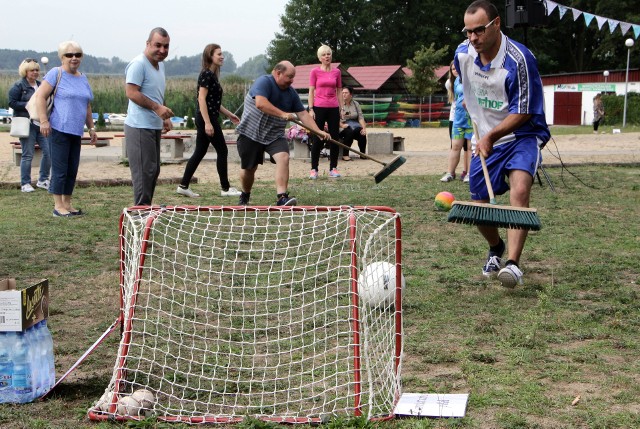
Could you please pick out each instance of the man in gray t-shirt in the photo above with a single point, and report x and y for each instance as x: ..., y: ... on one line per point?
x: 269, y: 105
x: 147, y: 116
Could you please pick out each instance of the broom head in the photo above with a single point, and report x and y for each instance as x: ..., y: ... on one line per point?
x: 389, y: 168
x: 494, y: 215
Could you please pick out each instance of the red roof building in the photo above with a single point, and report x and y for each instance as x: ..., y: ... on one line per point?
x: 380, y: 79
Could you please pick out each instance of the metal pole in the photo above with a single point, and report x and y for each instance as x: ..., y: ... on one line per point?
x: 628, y: 43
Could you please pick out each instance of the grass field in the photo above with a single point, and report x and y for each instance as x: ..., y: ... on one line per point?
x: 523, y: 355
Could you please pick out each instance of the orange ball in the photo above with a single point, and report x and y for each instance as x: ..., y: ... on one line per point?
x: 444, y: 200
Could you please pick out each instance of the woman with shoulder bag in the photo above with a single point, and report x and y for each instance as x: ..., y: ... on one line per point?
x: 65, y: 127
x: 19, y: 96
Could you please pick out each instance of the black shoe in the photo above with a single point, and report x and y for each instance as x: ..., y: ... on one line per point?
x: 285, y: 200
x: 244, y: 199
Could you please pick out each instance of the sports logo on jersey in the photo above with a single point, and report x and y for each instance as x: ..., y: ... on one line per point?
x: 486, y: 101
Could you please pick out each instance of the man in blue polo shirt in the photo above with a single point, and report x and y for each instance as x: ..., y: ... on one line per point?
x: 504, y: 97
x: 268, y: 106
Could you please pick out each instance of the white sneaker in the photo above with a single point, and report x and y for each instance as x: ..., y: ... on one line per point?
x: 448, y: 177
x: 44, y: 184
x: 466, y: 179
x: 27, y: 188
x: 510, y: 276
x: 231, y: 192
x: 187, y: 192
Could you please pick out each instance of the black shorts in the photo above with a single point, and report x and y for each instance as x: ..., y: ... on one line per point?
x: 252, y: 153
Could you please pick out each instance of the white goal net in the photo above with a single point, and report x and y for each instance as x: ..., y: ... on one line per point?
x: 284, y: 314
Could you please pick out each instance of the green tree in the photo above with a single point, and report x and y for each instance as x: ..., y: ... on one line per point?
x: 423, y: 81
x: 253, y: 67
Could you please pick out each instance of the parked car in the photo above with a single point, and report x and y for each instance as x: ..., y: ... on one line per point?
x: 5, y: 115
x: 107, y: 121
x: 117, y: 118
x: 179, y: 122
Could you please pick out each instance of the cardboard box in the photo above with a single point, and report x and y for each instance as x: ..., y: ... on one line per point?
x: 21, y: 309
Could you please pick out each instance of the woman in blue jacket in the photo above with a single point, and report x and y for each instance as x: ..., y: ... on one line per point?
x: 19, y: 95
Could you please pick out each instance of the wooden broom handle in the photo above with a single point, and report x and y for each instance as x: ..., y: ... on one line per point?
x: 485, y: 170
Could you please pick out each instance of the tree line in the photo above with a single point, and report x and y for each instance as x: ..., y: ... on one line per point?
x: 10, y: 59
x: 385, y: 32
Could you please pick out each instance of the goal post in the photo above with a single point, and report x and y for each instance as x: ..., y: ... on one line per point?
x: 289, y: 314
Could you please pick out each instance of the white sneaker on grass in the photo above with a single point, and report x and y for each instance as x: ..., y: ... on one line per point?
x: 187, y: 192
x: 510, y: 276
x: 43, y: 184
x: 492, y: 267
x: 231, y: 192
x: 448, y: 177
x: 27, y: 188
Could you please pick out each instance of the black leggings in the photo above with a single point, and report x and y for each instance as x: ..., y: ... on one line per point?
x: 330, y: 115
x: 348, y: 135
x: 202, y: 146
x: 596, y: 124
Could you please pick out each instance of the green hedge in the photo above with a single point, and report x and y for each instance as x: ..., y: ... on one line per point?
x: 614, y: 108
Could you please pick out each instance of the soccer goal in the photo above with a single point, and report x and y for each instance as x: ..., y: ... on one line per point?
x: 284, y: 314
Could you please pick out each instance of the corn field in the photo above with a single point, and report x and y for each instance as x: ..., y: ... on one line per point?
x: 180, y: 95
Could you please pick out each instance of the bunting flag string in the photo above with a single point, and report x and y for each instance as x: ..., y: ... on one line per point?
x: 589, y: 17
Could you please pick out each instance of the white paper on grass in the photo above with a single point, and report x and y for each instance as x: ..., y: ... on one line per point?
x: 432, y: 405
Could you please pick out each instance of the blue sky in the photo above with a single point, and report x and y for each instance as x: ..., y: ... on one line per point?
x: 119, y: 28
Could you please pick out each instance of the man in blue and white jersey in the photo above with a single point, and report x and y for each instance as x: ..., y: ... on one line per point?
x: 504, y: 97
x: 269, y: 105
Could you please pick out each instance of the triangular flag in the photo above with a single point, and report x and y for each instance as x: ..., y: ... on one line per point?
x: 562, y: 10
x: 624, y: 27
x: 601, y: 21
x: 636, y: 30
x: 576, y: 14
x: 588, y: 18
x: 612, y: 24
x: 551, y: 6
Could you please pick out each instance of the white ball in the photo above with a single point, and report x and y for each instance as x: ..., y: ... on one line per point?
x: 104, y: 402
x: 128, y: 406
x: 145, y: 397
x: 377, y: 284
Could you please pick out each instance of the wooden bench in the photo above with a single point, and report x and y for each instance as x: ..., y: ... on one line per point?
x: 37, y: 153
x: 398, y: 144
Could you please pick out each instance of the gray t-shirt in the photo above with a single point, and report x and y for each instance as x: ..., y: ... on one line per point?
x: 259, y: 126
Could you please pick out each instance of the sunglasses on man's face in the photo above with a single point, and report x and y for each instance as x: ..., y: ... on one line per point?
x: 73, y: 54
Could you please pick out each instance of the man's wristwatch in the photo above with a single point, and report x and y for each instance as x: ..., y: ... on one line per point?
x: 92, y: 129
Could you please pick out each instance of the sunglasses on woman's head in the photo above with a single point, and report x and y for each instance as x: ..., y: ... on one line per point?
x: 74, y: 54
x: 30, y: 60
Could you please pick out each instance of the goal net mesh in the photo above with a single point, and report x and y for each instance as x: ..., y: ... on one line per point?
x: 230, y: 312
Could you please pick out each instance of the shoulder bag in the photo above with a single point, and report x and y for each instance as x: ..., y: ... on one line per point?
x: 31, y: 106
x: 20, y: 127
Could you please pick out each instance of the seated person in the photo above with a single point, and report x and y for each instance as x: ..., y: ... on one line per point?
x: 352, y: 125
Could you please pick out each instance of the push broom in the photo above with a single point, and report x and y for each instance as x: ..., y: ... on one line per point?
x: 492, y: 214
x: 387, y: 167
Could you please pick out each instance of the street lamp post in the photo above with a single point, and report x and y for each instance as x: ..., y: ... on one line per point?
x: 606, y: 75
x: 44, y: 61
x: 628, y: 43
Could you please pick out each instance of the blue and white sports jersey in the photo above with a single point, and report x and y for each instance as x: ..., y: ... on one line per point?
x: 509, y: 84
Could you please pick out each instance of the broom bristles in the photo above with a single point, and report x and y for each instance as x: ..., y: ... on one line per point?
x: 494, y: 215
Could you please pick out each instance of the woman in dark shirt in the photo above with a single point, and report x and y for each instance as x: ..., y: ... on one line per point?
x: 208, y: 108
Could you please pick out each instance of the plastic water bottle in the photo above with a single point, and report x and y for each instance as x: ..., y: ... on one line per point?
x: 7, y: 342
x: 22, y: 374
x: 48, y: 367
x: 31, y: 337
x: 6, y: 368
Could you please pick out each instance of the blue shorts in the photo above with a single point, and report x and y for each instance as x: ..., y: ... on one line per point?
x: 459, y: 133
x: 520, y: 154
